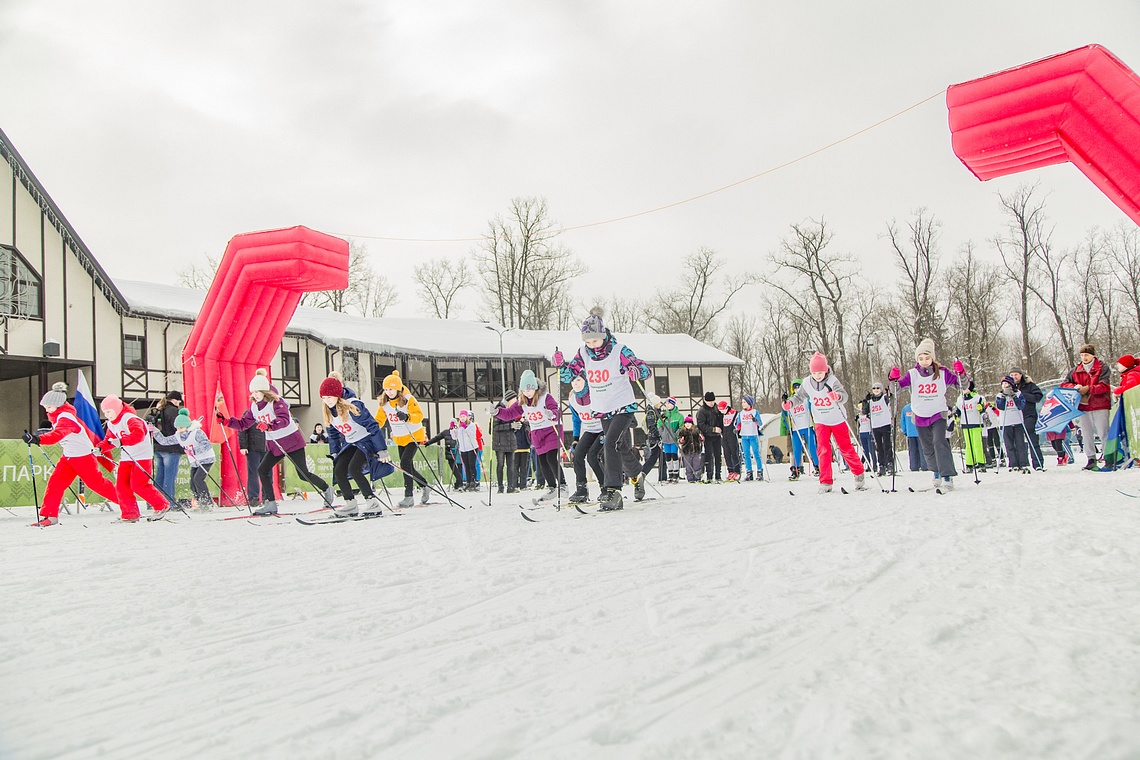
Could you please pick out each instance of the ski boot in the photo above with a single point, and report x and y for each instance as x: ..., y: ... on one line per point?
x: 373, y: 507
x: 45, y: 522
x: 947, y: 485
x: 860, y: 485
x: 550, y: 495
x: 795, y: 473
x: 580, y: 496
x: 748, y: 476
x: 825, y: 488
x: 349, y: 509
x: 638, y: 487
x: 425, y: 495
x: 408, y: 501
x: 263, y: 509
x: 610, y: 500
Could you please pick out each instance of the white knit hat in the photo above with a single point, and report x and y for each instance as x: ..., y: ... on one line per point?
x: 260, y: 381
x: 925, y: 347
x: 56, y: 397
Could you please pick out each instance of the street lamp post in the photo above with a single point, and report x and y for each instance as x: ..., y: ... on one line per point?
x: 502, y: 362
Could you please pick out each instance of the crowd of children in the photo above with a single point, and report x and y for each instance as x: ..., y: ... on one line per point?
x: 713, y: 444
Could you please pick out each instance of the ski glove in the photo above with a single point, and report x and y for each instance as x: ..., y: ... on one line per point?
x: 834, y: 396
x: 558, y: 359
x: 221, y: 418
x: 787, y: 406
x: 402, y: 416
x: 1007, y: 380
x: 959, y: 367
x: 895, y: 374
x: 30, y: 438
x: 382, y: 456
x: 106, y: 447
x: 262, y: 426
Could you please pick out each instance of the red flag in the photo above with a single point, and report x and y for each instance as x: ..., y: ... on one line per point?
x: 218, y: 431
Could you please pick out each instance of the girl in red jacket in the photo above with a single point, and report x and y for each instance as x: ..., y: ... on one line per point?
x: 78, y: 459
x: 127, y: 430
x: 1129, y: 373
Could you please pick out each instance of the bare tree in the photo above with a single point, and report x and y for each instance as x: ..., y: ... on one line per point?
x: 1123, y: 246
x: 623, y: 313
x: 976, y: 314
x: 368, y: 294
x: 695, y: 304
x: 819, y: 278
x: 526, y: 274
x: 917, y: 255
x: 199, y: 277
x: 1024, y: 230
x: 438, y: 283
x: 742, y: 339
x: 1082, y: 307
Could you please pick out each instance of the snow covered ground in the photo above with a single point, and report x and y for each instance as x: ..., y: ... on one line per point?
x: 1002, y: 620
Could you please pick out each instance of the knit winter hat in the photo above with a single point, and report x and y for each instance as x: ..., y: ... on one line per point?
x: 174, y: 395
x: 672, y: 401
x: 689, y: 418
x: 750, y: 401
x: 722, y: 405
x: 528, y: 382
x: 331, y: 386
x: 592, y: 326
x: 260, y: 381
x: 925, y: 347
x: 1017, y: 370
x: 56, y: 397
x: 182, y: 421
x: 510, y: 396
x: 111, y: 406
x: 818, y: 363
x: 393, y: 382
x: 876, y: 384
x: 1088, y: 348
x: 710, y: 396
x: 463, y: 412
x: 1128, y: 361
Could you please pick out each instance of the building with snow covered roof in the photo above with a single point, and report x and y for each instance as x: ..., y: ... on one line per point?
x: 60, y: 313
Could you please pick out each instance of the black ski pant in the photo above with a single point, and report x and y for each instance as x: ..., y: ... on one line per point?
x: 731, y: 453
x: 618, y: 449
x: 884, y: 450
x: 1036, y: 457
x: 1016, y: 448
x: 505, y: 460
x: 470, y: 466
x: 588, y: 449
x: 521, y: 469
x: 710, y: 457
x: 548, y: 467
x: 412, y: 477
x: 252, y: 481
x: 994, y: 450
x: 297, y: 457
x: 198, y: 484
x: 652, y: 458
x: 351, y: 464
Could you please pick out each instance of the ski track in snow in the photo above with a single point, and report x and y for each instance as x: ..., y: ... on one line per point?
x: 999, y: 621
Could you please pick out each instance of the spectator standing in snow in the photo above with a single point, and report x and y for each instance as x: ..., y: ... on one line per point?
x: 689, y: 441
x: 467, y: 436
x: 1010, y: 403
x: 748, y: 426
x: 1090, y: 377
x: 709, y: 421
x: 877, y: 406
x: 166, y: 458
x: 669, y: 423
x: 914, y: 448
x: 1032, y: 395
x: 503, y: 444
x: 729, y: 441
x: 1129, y: 373
x: 319, y: 435
x: 251, y: 443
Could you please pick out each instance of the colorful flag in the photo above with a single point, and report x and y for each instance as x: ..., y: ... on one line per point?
x: 1059, y: 408
x: 216, y: 431
x: 1116, y: 447
x: 85, y: 406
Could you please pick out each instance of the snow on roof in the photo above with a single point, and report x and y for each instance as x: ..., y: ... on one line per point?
x: 457, y: 338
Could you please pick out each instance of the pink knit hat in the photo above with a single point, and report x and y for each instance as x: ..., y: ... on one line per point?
x: 818, y: 363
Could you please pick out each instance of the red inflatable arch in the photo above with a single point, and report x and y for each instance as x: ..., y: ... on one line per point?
x: 243, y: 319
x: 1082, y: 106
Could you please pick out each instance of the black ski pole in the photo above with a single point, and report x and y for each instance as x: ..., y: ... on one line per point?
x: 35, y: 489
x: 174, y: 503
x: 422, y: 480
x: 70, y: 489
x: 237, y: 474
x: 894, y: 426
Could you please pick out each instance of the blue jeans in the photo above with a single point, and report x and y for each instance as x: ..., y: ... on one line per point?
x: 751, y: 446
x: 798, y: 437
x: 867, y: 441
x: 166, y: 470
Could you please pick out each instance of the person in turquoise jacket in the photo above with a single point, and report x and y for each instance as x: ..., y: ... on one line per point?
x: 917, y: 460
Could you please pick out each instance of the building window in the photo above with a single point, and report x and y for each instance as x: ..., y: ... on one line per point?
x: 290, y: 365
x: 21, y: 291
x: 381, y: 370
x: 134, y: 351
x: 486, y: 383
x: 661, y: 385
x: 696, y: 386
x: 453, y: 382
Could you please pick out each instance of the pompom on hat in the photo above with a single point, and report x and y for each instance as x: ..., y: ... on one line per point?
x: 56, y: 397
x: 331, y: 386
x: 689, y: 418
x: 260, y: 381
x: 818, y: 363
x: 393, y: 382
x: 182, y: 421
x: 593, y: 327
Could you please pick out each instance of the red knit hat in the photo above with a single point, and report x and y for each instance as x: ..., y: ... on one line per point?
x: 330, y: 386
x: 722, y: 405
x: 818, y: 363
x: 1128, y: 361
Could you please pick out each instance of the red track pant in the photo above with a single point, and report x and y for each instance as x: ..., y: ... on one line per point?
x: 134, y: 478
x: 64, y: 474
x: 842, y: 436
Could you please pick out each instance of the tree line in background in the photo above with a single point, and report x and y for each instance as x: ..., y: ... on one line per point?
x: 1028, y: 303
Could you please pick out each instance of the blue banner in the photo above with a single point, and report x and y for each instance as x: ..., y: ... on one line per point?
x: 1058, y: 409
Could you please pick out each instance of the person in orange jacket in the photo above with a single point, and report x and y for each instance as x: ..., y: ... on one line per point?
x: 401, y: 412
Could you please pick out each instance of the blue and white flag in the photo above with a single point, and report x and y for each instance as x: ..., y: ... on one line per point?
x: 1058, y: 410
x: 85, y: 406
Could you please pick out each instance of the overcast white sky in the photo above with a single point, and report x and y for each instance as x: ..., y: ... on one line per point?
x: 163, y: 129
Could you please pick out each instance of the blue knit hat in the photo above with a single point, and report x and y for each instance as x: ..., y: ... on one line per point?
x: 593, y: 327
x: 528, y: 382
x: 750, y: 401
